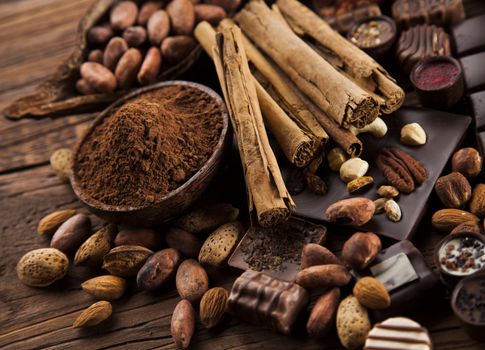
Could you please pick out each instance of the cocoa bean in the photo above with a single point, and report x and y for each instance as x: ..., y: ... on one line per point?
x: 150, y: 68
x: 320, y: 276
x: 72, y: 233
x: 158, y: 27
x: 143, y: 237
x: 191, y: 280
x: 123, y: 15
x: 158, y: 269
x: 361, y: 249
x: 98, y: 77
x: 322, y: 317
x: 96, y: 56
x: 135, y: 36
x: 182, y: 324
x: 228, y: 5
x: 146, y: 11
x: 210, y: 13
x: 83, y: 87
x: 114, y: 50
x: 314, y: 254
x: 127, y: 68
x: 182, y: 16
x: 99, y: 35
x: 175, y: 48
x: 186, y: 243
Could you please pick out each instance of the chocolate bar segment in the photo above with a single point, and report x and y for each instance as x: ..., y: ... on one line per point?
x: 474, y: 72
x: 469, y: 36
x: 266, y: 301
x: 408, y: 13
x: 420, y: 42
x: 477, y: 102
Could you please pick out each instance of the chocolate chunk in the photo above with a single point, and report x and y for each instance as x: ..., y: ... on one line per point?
x: 473, y: 71
x: 469, y: 36
x: 266, y: 301
x: 408, y: 13
x: 420, y: 42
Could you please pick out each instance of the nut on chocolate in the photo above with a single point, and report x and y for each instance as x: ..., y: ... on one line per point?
x: 359, y: 183
x: 353, y: 211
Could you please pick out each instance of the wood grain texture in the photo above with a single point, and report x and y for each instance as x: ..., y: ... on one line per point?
x: 35, y: 36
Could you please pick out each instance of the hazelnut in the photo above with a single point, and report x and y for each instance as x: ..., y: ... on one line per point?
x: 454, y: 190
x: 353, y: 168
x: 467, y: 161
x: 413, y: 135
x: 377, y: 128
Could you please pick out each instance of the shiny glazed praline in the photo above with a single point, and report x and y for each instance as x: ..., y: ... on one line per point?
x: 442, y: 95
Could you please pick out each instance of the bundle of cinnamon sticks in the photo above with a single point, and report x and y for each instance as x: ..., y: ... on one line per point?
x: 289, y: 69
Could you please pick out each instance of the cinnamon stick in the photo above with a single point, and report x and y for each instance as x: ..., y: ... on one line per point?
x: 267, y: 194
x: 339, y: 97
x: 297, y: 143
x: 355, y: 62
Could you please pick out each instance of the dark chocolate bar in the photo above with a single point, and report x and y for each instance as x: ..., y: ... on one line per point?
x: 477, y: 102
x: 266, y: 301
x: 474, y: 72
x: 404, y: 273
x: 420, y: 42
x: 469, y: 36
x: 408, y: 13
x: 481, y: 142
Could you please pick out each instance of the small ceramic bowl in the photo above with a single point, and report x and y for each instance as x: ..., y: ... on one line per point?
x: 468, y: 304
x: 380, y: 50
x: 445, y: 95
x: 176, y: 201
x: 455, y: 271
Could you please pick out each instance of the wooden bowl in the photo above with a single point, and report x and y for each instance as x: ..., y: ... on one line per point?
x: 176, y: 201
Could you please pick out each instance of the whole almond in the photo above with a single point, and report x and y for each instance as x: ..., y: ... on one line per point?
x: 158, y: 269
x: 128, y: 67
x: 175, y: 48
x: 191, y: 280
x: 314, y: 254
x: 42, y: 267
x: 353, y: 323
x: 182, y: 325
x: 477, y: 204
x: 83, y: 87
x: 210, y: 13
x: 220, y: 244
x: 146, y: 11
x: 182, y: 16
x: 208, y: 217
x: 61, y: 162
x: 99, y: 35
x: 93, y: 315
x: 72, y: 233
x: 320, y: 276
x: 98, y: 76
x: 322, y: 317
x: 185, y: 242
x: 143, y: 237
x: 114, y: 50
x: 468, y: 227
x: 105, y: 287
x: 150, y: 68
x: 135, y: 36
x: 96, y: 56
x: 92, y: 251
x: 446, y: 220
x: 372, y: 294
x: 213, y: 306
x: 126, y: 260
x: 228, y: 5
x: 360, y: 250
x: 123, y: 15
x: 50, y: 223
x: 158, y: 27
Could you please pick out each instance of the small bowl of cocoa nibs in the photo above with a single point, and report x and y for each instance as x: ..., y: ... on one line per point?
x: 151, y: 154
x: 460, y: 255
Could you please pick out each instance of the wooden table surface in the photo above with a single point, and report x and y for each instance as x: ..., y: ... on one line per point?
x: 35, y: 36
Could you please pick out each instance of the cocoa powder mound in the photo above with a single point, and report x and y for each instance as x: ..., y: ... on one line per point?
x: 149, y: 146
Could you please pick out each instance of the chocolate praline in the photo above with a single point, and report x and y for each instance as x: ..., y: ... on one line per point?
x: 374, y: 35
x: 438, y: 82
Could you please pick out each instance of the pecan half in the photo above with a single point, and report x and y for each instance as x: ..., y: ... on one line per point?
x: 395, y: 172
x: 417, y: 169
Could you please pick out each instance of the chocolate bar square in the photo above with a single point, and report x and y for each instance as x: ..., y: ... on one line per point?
x: 474, y: 72
x: 477, y: 102
x: 469, y: 36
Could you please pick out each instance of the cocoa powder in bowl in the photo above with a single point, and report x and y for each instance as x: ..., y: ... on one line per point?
x: 149, y: 146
